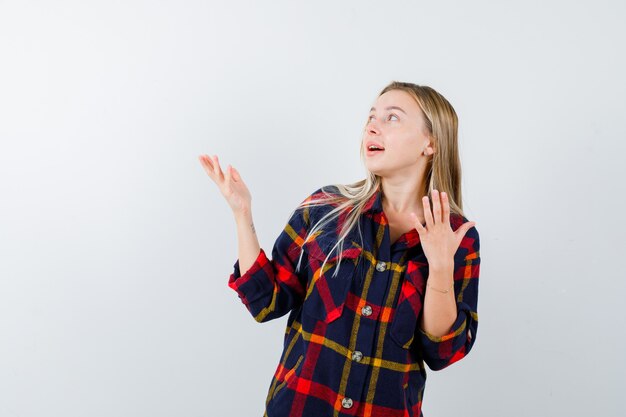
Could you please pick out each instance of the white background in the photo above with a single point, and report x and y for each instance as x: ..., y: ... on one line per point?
x: 116, y: 247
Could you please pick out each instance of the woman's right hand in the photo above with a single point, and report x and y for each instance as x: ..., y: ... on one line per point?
x: 230, y: 184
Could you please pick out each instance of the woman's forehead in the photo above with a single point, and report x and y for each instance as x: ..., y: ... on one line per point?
x: 395, y: 98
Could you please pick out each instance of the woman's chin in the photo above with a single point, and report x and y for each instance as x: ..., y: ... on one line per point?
x: 376, y: 169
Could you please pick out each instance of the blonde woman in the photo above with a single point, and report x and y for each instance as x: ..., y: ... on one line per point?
x: 378, y: 277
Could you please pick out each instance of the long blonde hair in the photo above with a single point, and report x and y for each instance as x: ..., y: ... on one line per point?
x: 443, y: 171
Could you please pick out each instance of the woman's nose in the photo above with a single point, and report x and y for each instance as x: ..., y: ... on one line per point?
x: 372, y: 127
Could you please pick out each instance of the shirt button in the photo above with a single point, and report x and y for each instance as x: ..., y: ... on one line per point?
x: 381, y: 266
x: 366, y: 311
x: 346, y: 402
x: 357, y: 356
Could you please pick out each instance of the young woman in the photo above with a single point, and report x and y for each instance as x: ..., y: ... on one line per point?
x: 378, y: 277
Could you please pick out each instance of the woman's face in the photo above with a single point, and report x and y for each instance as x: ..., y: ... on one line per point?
x: 395, y: 123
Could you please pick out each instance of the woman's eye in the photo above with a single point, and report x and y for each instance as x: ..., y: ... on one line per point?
x: 369, y: 119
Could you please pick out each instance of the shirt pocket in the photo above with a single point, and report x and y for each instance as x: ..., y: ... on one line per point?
x: 409, y: 305
x: 326, y: 294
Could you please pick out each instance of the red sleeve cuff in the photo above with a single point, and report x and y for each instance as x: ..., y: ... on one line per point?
x: 250, y: 286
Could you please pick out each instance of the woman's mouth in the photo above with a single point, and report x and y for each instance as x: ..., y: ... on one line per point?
x: 373, y: 150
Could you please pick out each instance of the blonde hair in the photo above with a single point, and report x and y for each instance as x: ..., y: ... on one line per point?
x: 443, y: 171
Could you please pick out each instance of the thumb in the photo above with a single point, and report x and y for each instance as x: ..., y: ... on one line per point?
x: 464, y: 228
x: 236, y: 175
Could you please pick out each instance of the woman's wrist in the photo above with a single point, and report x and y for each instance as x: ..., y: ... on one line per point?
x: 243, y: 217
x: 442, y: 267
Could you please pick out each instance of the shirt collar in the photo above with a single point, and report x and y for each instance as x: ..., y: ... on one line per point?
x: 375, y: 205
x: 411, y: 238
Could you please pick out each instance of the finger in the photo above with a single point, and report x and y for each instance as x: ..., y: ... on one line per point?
x: 436, y: 207
x: 207, y: 165
x: 227, y: 177
x: 204, y: 160
x: 418, y: 225
x: 218, y: 170
x: 462, y: 230
x: 446, y: 207
x: 236, y: 176
x: 427, y: 213
x: 214, y: 164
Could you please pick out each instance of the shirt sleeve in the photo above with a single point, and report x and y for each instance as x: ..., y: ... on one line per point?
x: 440, y: 352
x: 271, y: 288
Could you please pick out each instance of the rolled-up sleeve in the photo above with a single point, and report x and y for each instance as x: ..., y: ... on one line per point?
x: 271, y: 288
x: 442, y: 351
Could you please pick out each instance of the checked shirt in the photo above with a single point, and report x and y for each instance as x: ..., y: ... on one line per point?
x: 352, y: 344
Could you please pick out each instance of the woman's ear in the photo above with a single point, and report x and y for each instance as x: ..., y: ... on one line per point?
x: 429, y: 148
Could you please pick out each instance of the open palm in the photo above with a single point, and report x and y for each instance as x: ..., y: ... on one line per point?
x: 230, y: 184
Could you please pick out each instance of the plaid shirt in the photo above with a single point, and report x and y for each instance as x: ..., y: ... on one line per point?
x: 353, y: 345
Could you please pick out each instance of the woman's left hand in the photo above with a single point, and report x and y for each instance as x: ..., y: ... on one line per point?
x: 438, y: 240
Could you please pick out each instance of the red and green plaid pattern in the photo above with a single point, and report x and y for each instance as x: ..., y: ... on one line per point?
x: 353, y: 345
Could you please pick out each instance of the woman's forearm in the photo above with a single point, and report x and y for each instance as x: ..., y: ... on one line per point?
x: 248, y: 242
x: 439, y: 310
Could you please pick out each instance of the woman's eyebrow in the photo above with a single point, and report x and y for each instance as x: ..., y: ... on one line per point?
x: 389, y: 108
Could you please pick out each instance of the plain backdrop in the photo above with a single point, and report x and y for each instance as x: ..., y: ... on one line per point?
x: 116, y: 247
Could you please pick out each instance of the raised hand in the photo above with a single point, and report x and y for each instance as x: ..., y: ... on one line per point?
x: 439, y: 241
x: 230, y: 184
